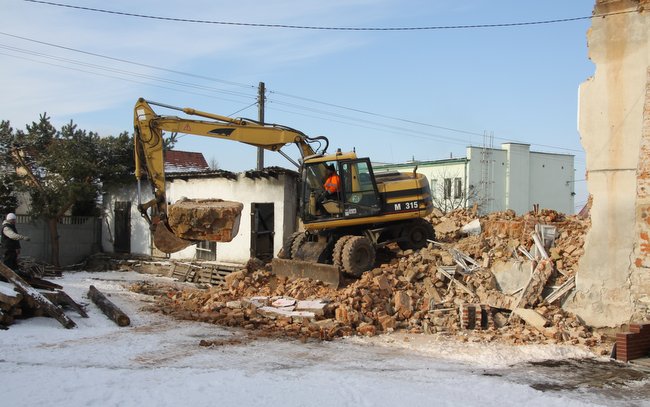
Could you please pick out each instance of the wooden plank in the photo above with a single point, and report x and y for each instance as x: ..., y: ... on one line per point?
x: 561, y: 290
x: 455, y: 281
x: 539, y: 245
x: 526, y: 253
x: 51, y: 309
x: 61, y: 298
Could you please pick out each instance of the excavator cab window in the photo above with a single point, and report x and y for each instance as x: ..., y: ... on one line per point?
x: 360, y: 196
x: 321, y: 194
x: 355, y: 194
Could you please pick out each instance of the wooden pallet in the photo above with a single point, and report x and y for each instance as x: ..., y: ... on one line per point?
x: 201, y: 273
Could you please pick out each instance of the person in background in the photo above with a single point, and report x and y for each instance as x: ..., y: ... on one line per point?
x: 11, y: 242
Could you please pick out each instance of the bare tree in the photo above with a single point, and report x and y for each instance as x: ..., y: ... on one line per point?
x: 450, y: 192
x: 214, y: 164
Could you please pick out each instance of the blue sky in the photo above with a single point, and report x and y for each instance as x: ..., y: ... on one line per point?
x: 517, y: 83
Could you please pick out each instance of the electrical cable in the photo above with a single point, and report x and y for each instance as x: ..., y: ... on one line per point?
x: 122, y: 78
x: 124, y: 72
x: 324, y: 28
x: 417, y: 122
x: 283, y: 94
x: 130, y: 62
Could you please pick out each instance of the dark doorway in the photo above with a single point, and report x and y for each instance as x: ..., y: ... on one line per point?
x: 122, y: 243
x: 262, y: 231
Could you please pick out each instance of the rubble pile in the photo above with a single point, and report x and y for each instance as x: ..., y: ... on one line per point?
x: 451, y: 287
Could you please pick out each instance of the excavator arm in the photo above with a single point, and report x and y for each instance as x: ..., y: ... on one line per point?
x: 148, y: 138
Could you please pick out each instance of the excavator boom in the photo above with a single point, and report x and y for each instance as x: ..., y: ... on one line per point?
x: 181, y: 224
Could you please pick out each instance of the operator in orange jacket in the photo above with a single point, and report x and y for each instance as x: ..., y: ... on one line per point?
x: 332, y: 184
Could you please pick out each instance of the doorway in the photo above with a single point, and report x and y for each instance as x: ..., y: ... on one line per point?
x: 122, y: 243
x: 262, y: 231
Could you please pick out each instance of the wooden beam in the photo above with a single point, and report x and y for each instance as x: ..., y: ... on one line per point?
x: 108, y: 308
x: 51, y: 309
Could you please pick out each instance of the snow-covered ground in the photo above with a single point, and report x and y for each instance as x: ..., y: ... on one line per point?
x: 157, y: 361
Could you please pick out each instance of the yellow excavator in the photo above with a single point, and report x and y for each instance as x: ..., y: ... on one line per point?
x: 343, y: 226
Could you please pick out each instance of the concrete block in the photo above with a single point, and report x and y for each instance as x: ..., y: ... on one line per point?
x: 512, y: 275
x: 531, y: 317
x: 205, y: 219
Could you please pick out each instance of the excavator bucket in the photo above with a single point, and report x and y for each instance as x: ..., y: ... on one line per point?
x: 326, y: 273
x: 166, y: 241
x: 192, y: 220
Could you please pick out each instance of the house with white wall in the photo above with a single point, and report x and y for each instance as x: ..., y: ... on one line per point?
x: 270, y: 199
x: 512, y: 177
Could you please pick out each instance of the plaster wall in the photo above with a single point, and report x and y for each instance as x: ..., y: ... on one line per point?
x: 280, y: 191
x: 612, y: 284
x: 140, y: 240
x: 552, y: 181
x: 517, y: 177
x: 487, y: 172
x: 246, y: 191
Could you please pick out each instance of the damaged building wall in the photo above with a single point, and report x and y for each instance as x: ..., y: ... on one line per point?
x: 278, y: 189
x: 613, y: 282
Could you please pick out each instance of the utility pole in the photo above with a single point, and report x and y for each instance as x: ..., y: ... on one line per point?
x: 260, y: 116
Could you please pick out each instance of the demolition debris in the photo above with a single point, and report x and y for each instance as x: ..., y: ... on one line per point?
x: 503, y: 277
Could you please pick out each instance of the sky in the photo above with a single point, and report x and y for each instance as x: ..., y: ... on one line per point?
x: 391, y: 95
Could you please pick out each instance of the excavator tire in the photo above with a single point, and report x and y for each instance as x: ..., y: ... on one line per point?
x: 358, y: 255
x: 337, y: 253
x: 297, y: 242
x: 287, y: 245
x: 415, y: 235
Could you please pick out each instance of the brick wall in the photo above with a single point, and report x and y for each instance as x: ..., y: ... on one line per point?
x: 475, y: 316
x: 634, y: 344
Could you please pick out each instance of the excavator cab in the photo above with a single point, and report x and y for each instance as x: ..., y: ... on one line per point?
x: 357, y: 195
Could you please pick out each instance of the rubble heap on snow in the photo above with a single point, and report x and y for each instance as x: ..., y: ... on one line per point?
x: 499, y: 284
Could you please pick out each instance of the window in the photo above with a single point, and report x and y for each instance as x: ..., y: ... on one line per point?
x: 447, y: 190
x: 458, y: 188
x: 206, y: 250
x: 434, y: 187
x: 360, y: 198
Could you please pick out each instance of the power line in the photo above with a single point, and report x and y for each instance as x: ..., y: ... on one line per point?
x: 49, y: 44
x: 375, y: 114
x: 274, y: 92
x: 417, y: 122
x: 240, y: 94
x: 325, y: 28
x: 125, y: 72
x: 121, y: 78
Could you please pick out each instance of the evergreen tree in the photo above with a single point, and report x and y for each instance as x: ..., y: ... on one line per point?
x: 63, y: 170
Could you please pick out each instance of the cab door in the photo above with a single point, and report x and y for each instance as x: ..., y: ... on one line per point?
x: 360, y: 195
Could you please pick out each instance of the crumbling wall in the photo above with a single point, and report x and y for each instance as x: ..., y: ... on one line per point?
x: 613, y: 281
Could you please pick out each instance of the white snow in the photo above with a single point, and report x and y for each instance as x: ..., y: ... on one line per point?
x: 157, y: 361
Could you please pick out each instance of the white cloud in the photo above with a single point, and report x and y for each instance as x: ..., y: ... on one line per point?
x: 31, y: 87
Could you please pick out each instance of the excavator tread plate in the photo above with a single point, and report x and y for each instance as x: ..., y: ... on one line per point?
x: 326, y: 273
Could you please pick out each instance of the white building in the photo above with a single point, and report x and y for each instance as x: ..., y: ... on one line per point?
x: 512, y: 177
x: 269, y: 214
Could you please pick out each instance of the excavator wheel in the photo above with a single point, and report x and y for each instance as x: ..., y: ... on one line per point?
x: 358, y: 255
x: 415, y: 235
x: 287, y: 245
x: 337, y: 253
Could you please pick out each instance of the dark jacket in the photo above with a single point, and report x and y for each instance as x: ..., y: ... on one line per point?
x: 7, y: 242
